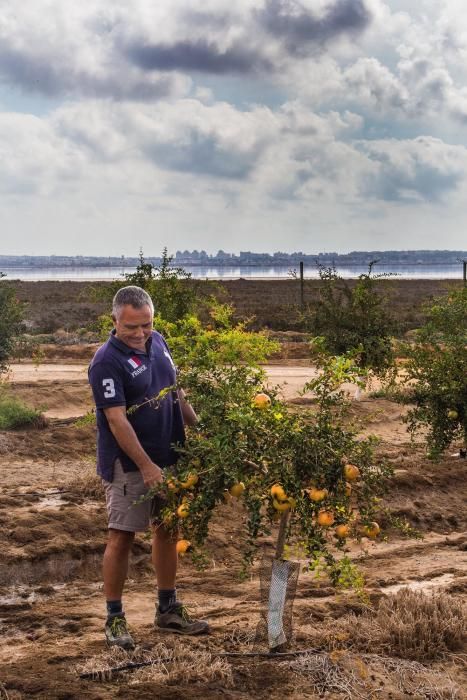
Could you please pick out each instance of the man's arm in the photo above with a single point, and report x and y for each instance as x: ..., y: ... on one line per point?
x: 127, y: 439
x: 189, y: 416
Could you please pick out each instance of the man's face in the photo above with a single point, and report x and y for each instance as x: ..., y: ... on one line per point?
x: 133, y: 326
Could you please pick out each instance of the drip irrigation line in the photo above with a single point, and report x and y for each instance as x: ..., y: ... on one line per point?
x: 132, y: 665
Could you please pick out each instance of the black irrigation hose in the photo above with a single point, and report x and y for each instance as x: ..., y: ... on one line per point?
x: 132, y: 665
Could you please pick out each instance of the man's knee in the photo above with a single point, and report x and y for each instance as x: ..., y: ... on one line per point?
x: 120, y: 540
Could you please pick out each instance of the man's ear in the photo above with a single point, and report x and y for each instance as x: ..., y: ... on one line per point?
x: 113, y: 317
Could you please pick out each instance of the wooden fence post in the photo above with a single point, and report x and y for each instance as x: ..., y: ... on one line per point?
x: 302, y: 295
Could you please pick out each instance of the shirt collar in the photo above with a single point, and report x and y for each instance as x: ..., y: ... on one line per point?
x: 116, y: 342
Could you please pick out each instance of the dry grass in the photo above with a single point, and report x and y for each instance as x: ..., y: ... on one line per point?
x: 369, y: 675
x: 86, y: 483
x: 410, y: 624
x: 178, y: 664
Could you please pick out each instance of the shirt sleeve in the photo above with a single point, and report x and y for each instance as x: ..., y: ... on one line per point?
x: 106, y: 382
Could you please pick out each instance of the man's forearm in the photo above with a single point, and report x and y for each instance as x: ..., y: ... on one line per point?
x: 189, y: 415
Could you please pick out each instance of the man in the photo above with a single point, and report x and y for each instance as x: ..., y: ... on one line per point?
x: 133, y: 447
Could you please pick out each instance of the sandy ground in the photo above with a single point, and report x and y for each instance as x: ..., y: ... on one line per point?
x: 53, y: 536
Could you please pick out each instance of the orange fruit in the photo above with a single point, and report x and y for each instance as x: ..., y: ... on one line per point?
x: 182, y: 546
x: 325, y: 518
x: 261, y: 400
x: 342, y: 531
x: 277, y: 491
x: 191, y: 480
x: 351, y: 472
x: 183, y: 510
x: 237, y: 489
x: 281, y: 506
x: 317, y: 495
x: 372, y: 530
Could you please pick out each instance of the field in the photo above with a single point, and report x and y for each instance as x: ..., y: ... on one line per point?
x: 53, y: 535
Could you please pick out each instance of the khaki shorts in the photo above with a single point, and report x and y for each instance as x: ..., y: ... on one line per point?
x: 121, y: 494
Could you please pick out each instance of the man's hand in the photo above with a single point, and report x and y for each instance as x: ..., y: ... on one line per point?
x: 128, y: 441
x: 152, y: 475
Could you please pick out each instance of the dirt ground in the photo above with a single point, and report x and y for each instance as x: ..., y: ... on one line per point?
x: 53, y: 535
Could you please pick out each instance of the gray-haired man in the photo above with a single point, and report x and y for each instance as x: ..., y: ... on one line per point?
x: 132, y: 451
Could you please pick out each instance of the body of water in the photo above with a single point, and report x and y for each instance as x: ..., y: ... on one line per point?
x: 414, y: 271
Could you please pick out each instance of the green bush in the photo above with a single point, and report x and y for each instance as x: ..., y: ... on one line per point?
x: 354, y: 317
x: 11, y: 316
x: 15, y: 414
x: 437, y: 374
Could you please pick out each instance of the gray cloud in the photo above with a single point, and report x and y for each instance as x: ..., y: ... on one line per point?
x: 200, y: 55
x: 300, y: 29
x: 424, y: 169
x: 55, y: 76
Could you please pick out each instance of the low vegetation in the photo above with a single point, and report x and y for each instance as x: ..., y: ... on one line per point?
x: 16, y: 414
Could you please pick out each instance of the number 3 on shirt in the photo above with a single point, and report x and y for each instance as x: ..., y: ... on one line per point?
x: 109, y: 387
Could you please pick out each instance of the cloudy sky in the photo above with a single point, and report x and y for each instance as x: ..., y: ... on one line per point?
x: 313, y: 125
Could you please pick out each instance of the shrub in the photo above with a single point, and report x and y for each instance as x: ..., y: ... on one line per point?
x: 436, y: 373
x: 15, y: 414
x: 11, y: 316
x: 354, y: 317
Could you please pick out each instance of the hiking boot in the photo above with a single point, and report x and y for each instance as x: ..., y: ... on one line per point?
x: 177, y: 619
x: 117, y: 634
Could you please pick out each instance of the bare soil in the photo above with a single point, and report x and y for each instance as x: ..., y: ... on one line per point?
x: 53, y: 536
x: 273, y: 304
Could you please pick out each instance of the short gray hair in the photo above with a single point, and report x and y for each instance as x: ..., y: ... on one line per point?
x: 131, y: 296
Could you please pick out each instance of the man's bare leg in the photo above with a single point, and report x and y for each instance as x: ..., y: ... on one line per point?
x: 115, y: 564
x: 164, y: 557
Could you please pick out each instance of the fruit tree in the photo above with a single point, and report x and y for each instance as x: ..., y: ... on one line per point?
x: 437, y: 374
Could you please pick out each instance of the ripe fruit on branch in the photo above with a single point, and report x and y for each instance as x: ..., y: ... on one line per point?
x: 351, y: 472
x: 191, y: 481
x: 182, y: 546
x: 262, y: 401
x: 283, y: 506
x: 317, y: 495
x: 183, y: 510
x: 342, y: 531
x: 277, y: 492
x: 452, y: 414
x: 237, y: 489
x: 172, y: 485
x: 325, y: 518
x: 372, y: 530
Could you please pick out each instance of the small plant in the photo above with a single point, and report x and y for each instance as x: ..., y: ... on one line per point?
x: 16, y: 414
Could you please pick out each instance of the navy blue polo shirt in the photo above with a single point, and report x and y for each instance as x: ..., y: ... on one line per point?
x: 122, y: 376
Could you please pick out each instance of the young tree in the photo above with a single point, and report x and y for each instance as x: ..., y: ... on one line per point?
x: 354, y: 317
x: 437, y: 374
x: 11, y: 317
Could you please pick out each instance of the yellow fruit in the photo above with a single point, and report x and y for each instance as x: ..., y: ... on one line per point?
x: 183, y: 510
x: 372, y: 530
x: 172, y: 485
x: 278, y: 492
x: 182, y: 546
x: 237, y: 489
x: 285, y: 505
x: 261, y: 401
x: 191, y: 480
x: 453, y: 414
x: 351, y: 472
x: 325, y: 518
x: 317, y: 495
x: 342, y: 531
